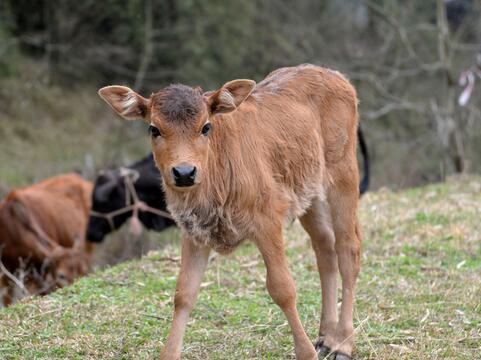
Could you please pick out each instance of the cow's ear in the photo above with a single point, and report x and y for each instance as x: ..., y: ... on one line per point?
x: 126, y: 102
x: 229, y: 96
x: 104, y: 176
x: 103, y: 191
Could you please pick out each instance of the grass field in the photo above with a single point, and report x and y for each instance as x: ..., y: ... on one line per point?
x: 419, y: 293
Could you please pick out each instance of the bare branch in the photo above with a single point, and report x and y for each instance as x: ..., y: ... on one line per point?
x: 8, y: 274
x: 148, y: 47
x: 379, y: 11
x: 389, y: 107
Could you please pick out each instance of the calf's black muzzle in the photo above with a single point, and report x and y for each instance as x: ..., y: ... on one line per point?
x: 184, y: 176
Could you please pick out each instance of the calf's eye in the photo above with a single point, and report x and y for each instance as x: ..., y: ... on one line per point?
x: 153, y: 131
x: 206, y: 128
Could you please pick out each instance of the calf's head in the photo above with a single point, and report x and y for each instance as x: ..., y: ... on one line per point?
x: 180, y: 124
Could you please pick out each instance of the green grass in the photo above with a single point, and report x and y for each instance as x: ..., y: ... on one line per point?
x: 418, y: 297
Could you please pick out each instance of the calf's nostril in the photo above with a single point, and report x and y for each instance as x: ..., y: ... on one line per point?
x: 176, y: 173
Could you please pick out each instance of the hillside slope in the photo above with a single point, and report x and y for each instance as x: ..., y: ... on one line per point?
x: 419, y: 293
x: 45, y: 131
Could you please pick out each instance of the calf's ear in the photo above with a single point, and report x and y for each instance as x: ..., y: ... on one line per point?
x: 126, y: 102
x: 229, y: 96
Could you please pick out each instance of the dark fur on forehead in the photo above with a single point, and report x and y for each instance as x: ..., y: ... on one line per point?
x: 178, y: 103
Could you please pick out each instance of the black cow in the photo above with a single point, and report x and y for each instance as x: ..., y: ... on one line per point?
x: 110, y: 195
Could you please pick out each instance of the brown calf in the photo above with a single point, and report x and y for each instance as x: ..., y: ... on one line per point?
x: 43, y: 226
x: 240, y: 162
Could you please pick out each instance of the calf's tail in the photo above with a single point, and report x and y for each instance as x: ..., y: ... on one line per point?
x: 364, y: 184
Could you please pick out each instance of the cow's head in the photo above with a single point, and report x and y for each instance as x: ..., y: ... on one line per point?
x: 64, y: 264
x: 180, y: 126
x: 108, y: 195
x: 69, y: 264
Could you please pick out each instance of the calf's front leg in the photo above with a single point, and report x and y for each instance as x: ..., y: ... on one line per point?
x: 192, y: 266
x: 283, y: 291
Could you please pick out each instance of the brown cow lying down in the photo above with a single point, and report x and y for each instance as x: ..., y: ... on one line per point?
x: 42, y: 232
x: 240, y: 162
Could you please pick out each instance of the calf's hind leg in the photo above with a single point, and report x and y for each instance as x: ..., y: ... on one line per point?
x: 343, y: 201
x: 318, y: 224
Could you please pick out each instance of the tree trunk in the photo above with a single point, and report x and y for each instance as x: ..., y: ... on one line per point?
x: 448, y: 127
x: 148, y: 47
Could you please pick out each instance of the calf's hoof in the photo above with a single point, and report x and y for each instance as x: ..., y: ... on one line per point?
x: 322, y: 350
x: 341, y: 356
